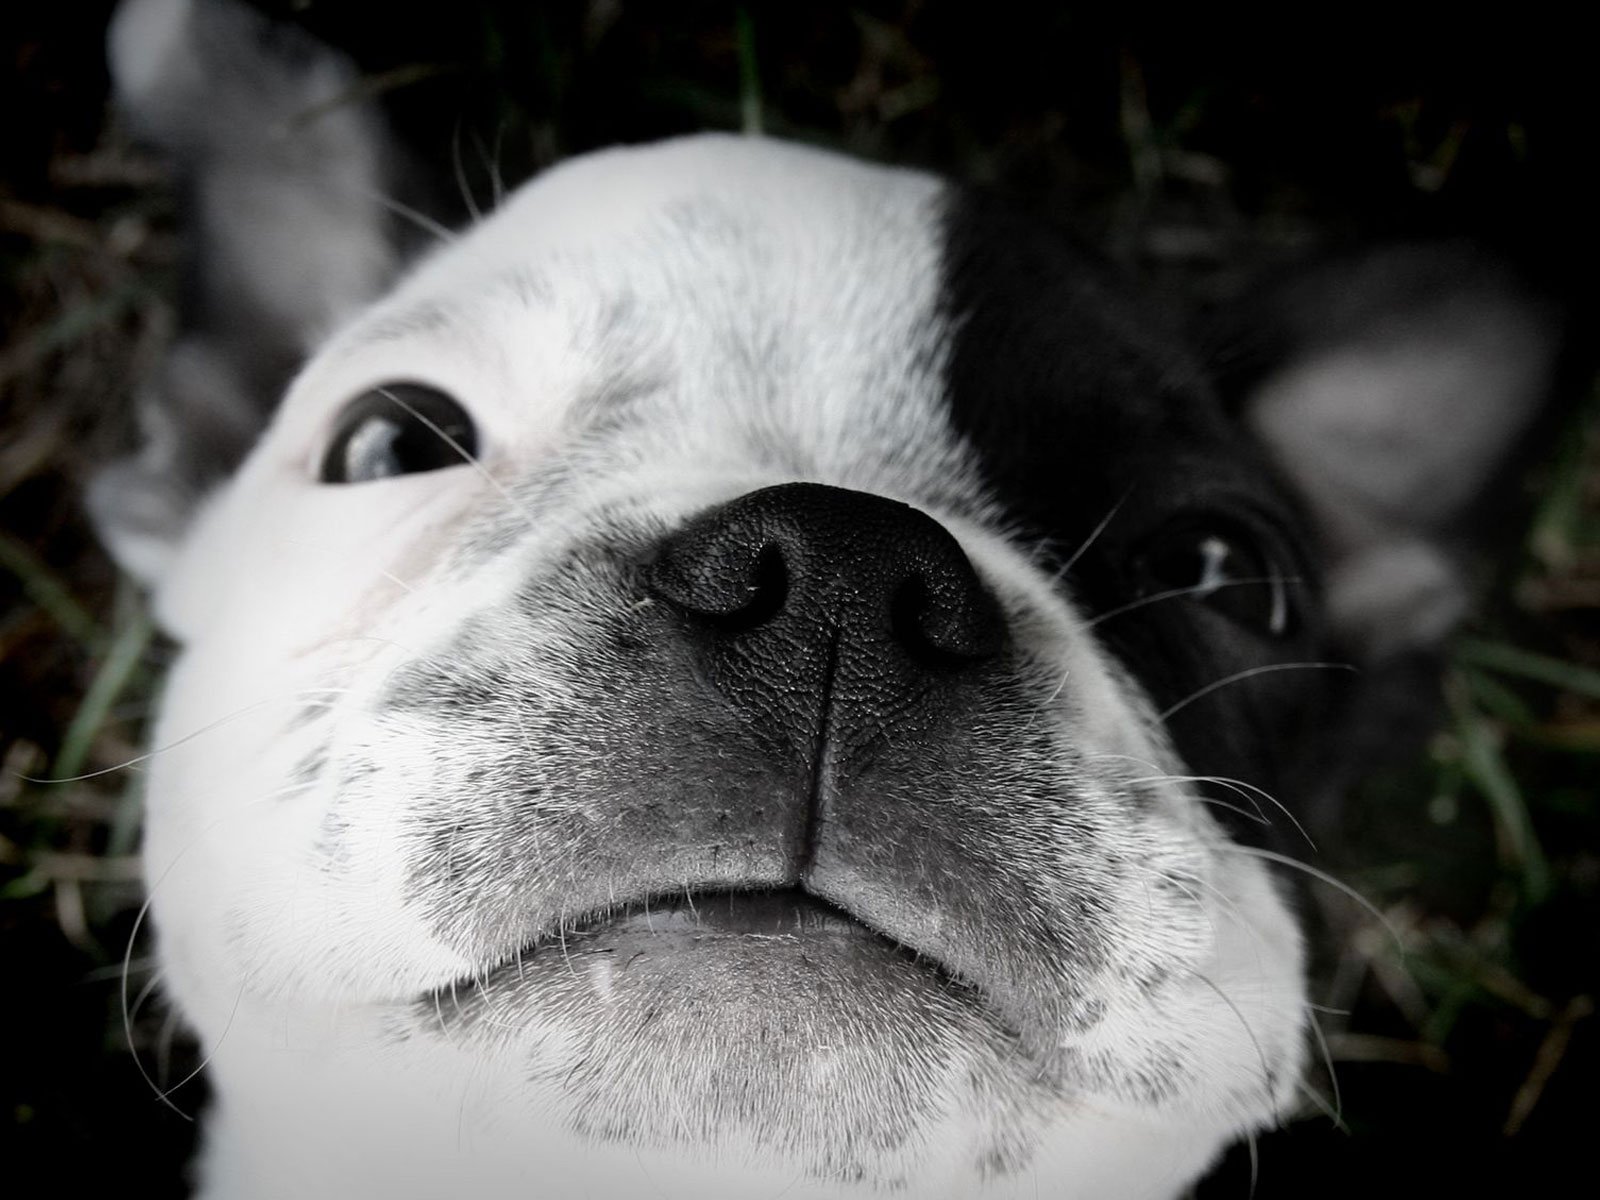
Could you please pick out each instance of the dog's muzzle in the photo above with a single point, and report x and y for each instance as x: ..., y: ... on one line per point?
x: 806, y: 715
x: 830, y: 620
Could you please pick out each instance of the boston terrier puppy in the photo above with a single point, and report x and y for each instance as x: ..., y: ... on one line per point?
x: 749, y: 673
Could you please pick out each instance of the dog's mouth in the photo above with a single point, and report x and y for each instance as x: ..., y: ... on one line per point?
x: 722, y: 1013
x: 788, y: 921
x: 770, y: 912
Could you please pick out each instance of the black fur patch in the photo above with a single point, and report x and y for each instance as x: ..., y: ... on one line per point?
x: 1097, y: 429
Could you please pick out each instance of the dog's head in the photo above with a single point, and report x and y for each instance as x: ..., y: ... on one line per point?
x: 752, y: 667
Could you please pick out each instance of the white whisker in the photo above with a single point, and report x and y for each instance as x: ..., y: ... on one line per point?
x: 1327, y: 1059
x: 460, y: 172
x: 420, y: 219
x: 138, y: 759
x: 1094, y: 535
x: 1249, y: 1031
x: 1206, y: 589
x: 1338, y: 885
x: 490, y: 158
x: 467, y: 457
x: 128, y: 1009
x: 1247, y: 790
x: 1251, y: 673
x: 166, y: 1096
x: 1321, y: 1103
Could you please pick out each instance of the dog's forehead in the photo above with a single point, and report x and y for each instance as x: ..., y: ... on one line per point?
x: 748, y: 279
x: 730, y: 229
x: 723, y: 191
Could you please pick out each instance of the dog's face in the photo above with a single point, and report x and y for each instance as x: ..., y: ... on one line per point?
x: 734, y: 758
x: 750, y: 670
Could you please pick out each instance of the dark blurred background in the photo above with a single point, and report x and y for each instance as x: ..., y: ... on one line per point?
x: 1197, y: 153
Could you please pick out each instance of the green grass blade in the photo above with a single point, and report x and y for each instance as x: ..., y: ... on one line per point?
x: 45, y: 588
x: 750, y: 107
x: 1486, y: 768
x: 1497, y: 699
x: 122, y: 659
x: 1511, y: 660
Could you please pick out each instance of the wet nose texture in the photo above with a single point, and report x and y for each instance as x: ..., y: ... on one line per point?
x: 831, y: 619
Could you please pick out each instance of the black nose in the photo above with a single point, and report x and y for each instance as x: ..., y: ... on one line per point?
x: 807, y: 566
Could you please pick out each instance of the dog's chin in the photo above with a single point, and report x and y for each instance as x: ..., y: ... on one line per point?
x: 714, y: 1018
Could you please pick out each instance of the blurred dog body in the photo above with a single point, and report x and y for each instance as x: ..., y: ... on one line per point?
x: 713, y: 682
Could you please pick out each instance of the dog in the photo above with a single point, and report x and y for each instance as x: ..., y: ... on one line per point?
x: 748, y: 672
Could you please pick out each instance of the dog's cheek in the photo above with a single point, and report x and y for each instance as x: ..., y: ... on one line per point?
x: 245, y: 895
x: 289, y: 597
x: 1204, y: 1004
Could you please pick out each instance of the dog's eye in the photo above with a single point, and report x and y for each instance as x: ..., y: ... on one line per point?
x: 398, y: 429
x: 1223, y: 568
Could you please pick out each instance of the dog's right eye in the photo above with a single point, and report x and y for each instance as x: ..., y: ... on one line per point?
x: 1222, y: 567
x: 398, y: 429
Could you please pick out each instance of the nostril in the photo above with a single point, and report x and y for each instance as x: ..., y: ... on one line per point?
x: 907, y: 610
x: 738, y: 589
x: 937, y: 628
x: 767, y: 591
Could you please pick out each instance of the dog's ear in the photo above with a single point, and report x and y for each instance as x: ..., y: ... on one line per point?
x: 1397, y: 392
x: 284, y: 174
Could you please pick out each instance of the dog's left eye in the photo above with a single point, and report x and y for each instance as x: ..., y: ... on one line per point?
x: 1222, y: 567
x: 398, y: 429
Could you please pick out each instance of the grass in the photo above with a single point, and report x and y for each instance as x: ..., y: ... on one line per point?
x: 1493, y: 987
x: 48, y: 592
x: 1525, y: 664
